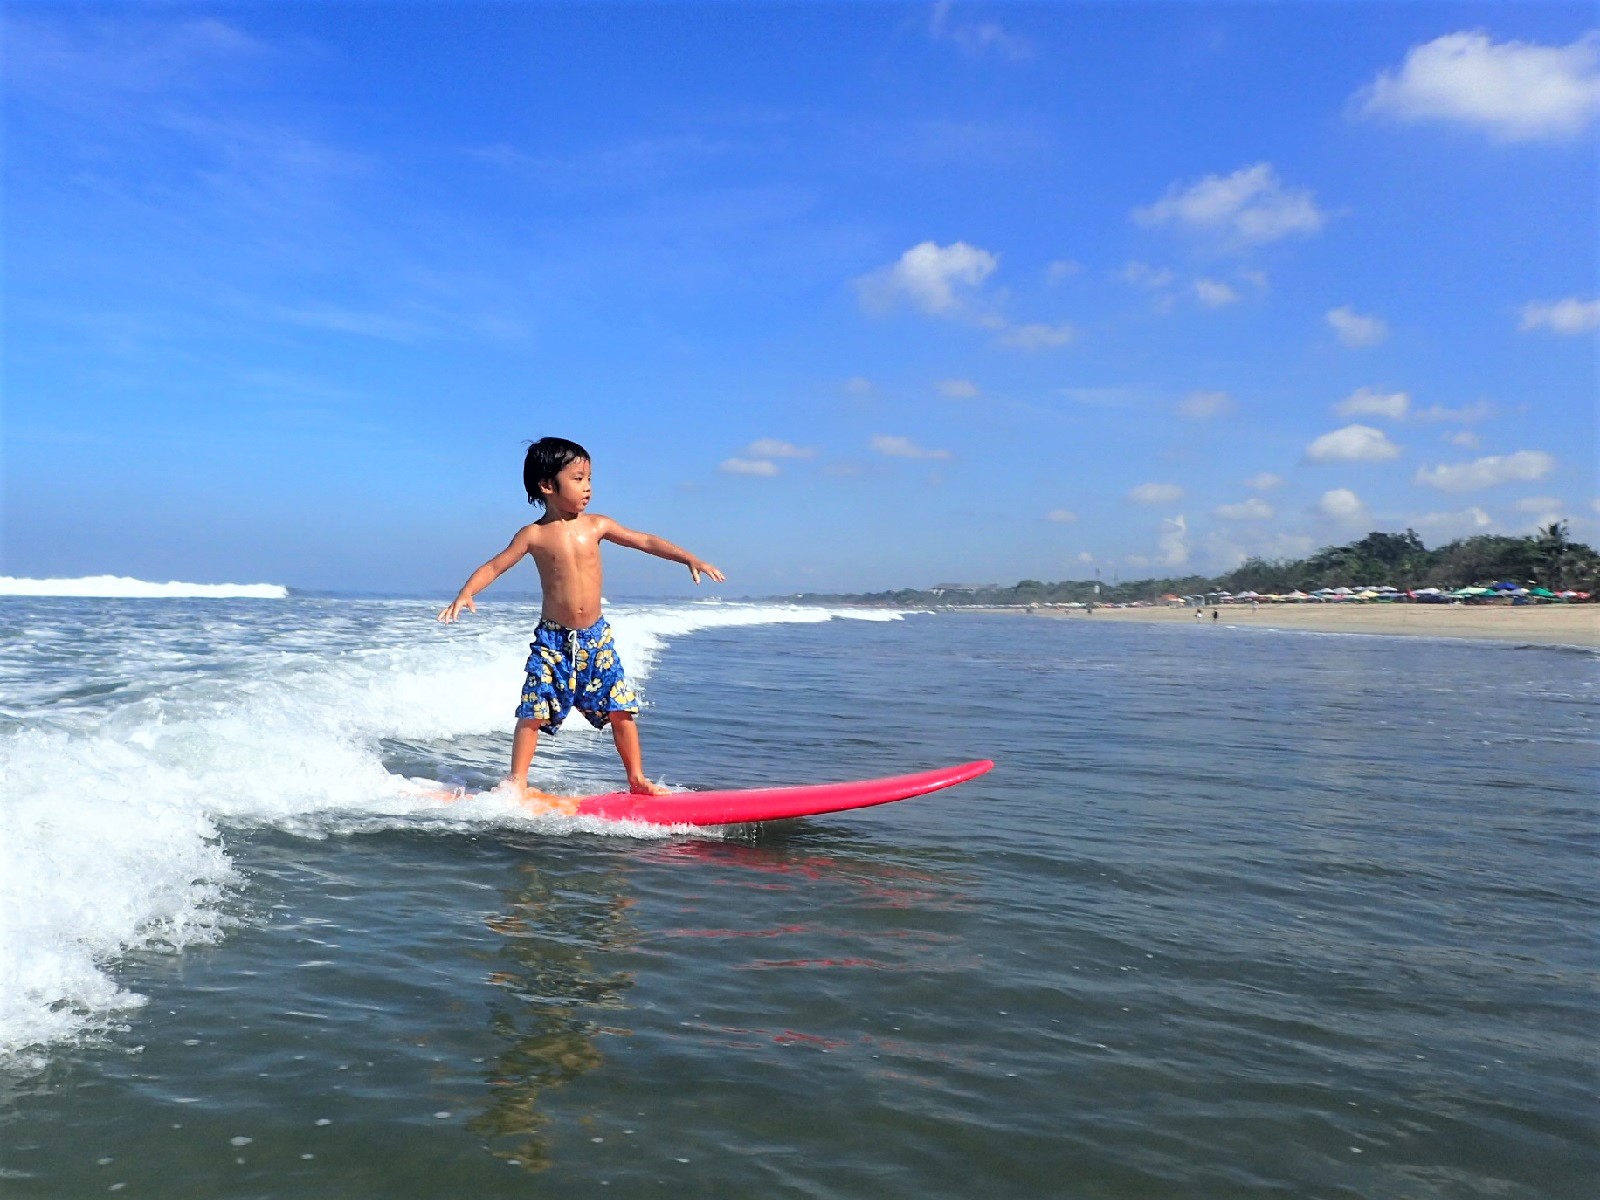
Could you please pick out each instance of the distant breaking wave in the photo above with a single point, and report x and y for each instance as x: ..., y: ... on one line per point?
x: 122, y: 588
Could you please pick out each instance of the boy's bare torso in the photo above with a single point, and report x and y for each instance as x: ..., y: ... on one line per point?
x: 567, y: 553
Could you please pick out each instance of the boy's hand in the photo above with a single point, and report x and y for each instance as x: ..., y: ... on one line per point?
x: 453, y: 610
x: 699, y: 567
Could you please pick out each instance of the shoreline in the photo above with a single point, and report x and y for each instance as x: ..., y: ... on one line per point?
x: 1561, y: 625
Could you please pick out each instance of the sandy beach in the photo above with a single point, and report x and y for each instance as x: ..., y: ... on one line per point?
x: 1572, y: 625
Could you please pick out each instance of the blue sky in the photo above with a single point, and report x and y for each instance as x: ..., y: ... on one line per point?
x: 840, y: 296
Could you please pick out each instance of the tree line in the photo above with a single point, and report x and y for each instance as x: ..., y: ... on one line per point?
x: 1548, y: 558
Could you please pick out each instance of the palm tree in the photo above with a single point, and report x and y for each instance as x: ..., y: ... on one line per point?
x: 1551, y: 546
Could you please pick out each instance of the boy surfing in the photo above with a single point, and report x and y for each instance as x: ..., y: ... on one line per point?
x: 573, y: 662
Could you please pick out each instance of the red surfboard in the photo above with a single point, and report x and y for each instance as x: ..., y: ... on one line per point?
x: 741, y: 806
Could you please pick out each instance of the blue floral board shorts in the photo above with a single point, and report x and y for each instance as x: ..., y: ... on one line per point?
x: 574, y: 668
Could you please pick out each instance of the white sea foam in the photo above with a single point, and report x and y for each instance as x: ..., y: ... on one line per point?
x: 120, y: 587
x: 115, y: 815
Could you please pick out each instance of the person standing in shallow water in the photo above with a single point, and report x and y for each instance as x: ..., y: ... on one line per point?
x: 573, y: 662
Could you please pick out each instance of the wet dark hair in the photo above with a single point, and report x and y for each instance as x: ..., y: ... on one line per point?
x: 547, y: 458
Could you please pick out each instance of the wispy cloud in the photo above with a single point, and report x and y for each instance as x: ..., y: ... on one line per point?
x: 1539, y: 504
x: 903, y: 447
x: 1356, y: 330
x: 1513, y: 91
x: 1213, y: 293
x: 1463, y: 523
x: 976, y: 39
x: 756, y: 459
x: 84, y: 64
x: 775, y: 448
x: 1250, y: 207
x: 1467, y: 414
x: 759, y: 467
x: 1365, y: 402
x: 1569, y: 316
x: 1201, y: 406
x: 1522, y: 467
x: 1253, y: 509
x: 1156, y: 493
x: 1039, y: 336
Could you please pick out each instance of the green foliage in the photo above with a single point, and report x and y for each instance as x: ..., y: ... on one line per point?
x: 1548, y: 558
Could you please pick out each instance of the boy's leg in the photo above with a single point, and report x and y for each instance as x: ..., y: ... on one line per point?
x: 625, y: 732
x: 523, y: 743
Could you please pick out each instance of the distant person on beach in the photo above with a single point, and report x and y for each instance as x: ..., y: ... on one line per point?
x: 573, y: 663
x: 1216, y: 614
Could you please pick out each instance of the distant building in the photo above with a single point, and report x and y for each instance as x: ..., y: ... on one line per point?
x: 940, y: 589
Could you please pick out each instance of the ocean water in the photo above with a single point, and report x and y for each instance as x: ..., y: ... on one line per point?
x: 1238, y: 913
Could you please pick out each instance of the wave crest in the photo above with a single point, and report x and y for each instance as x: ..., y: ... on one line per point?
x: 121, y: 587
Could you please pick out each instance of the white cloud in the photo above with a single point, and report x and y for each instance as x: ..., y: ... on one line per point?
x: 1213, y: 293
x: 1453, y: 524
x: 1264, y: 482
x: 1085, y: 557
x: 118, y: 59
x: 1061, y: 516
x: 1342, y: 505
x: 1364, y: 402
x: 959, y: 389
x: 1142, y: 274
x: 928, y: 276
x: 1062, y: 268
x: 1467, y: 414
x: 1156, y: 493
x: 1521, y: 467
x: 1173, y: 541
x: 1039, y: 336
x: 1567, y: 316
x: 1514, y: 91
x: 1253, y: 509
x: 1249, y: 207
x: 903, y: 447
x: 1539, y: 504
x: 1102, y: 397
x: 976, y: 39
x: 1355, y: 330
x: 1464, y: 438
x: 858, y: 385
x: 1353, y: 443
x: 748, y: 466
x: 1199, y: 406
x: 773, y: 448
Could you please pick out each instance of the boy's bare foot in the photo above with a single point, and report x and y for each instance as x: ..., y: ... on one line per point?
x: 643, y: 787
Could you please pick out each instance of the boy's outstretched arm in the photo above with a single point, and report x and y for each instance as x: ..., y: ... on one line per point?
x: 661, y: 548
x: 484, y: 576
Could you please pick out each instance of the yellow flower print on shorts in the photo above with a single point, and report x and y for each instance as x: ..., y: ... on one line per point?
x: 574, y: 668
